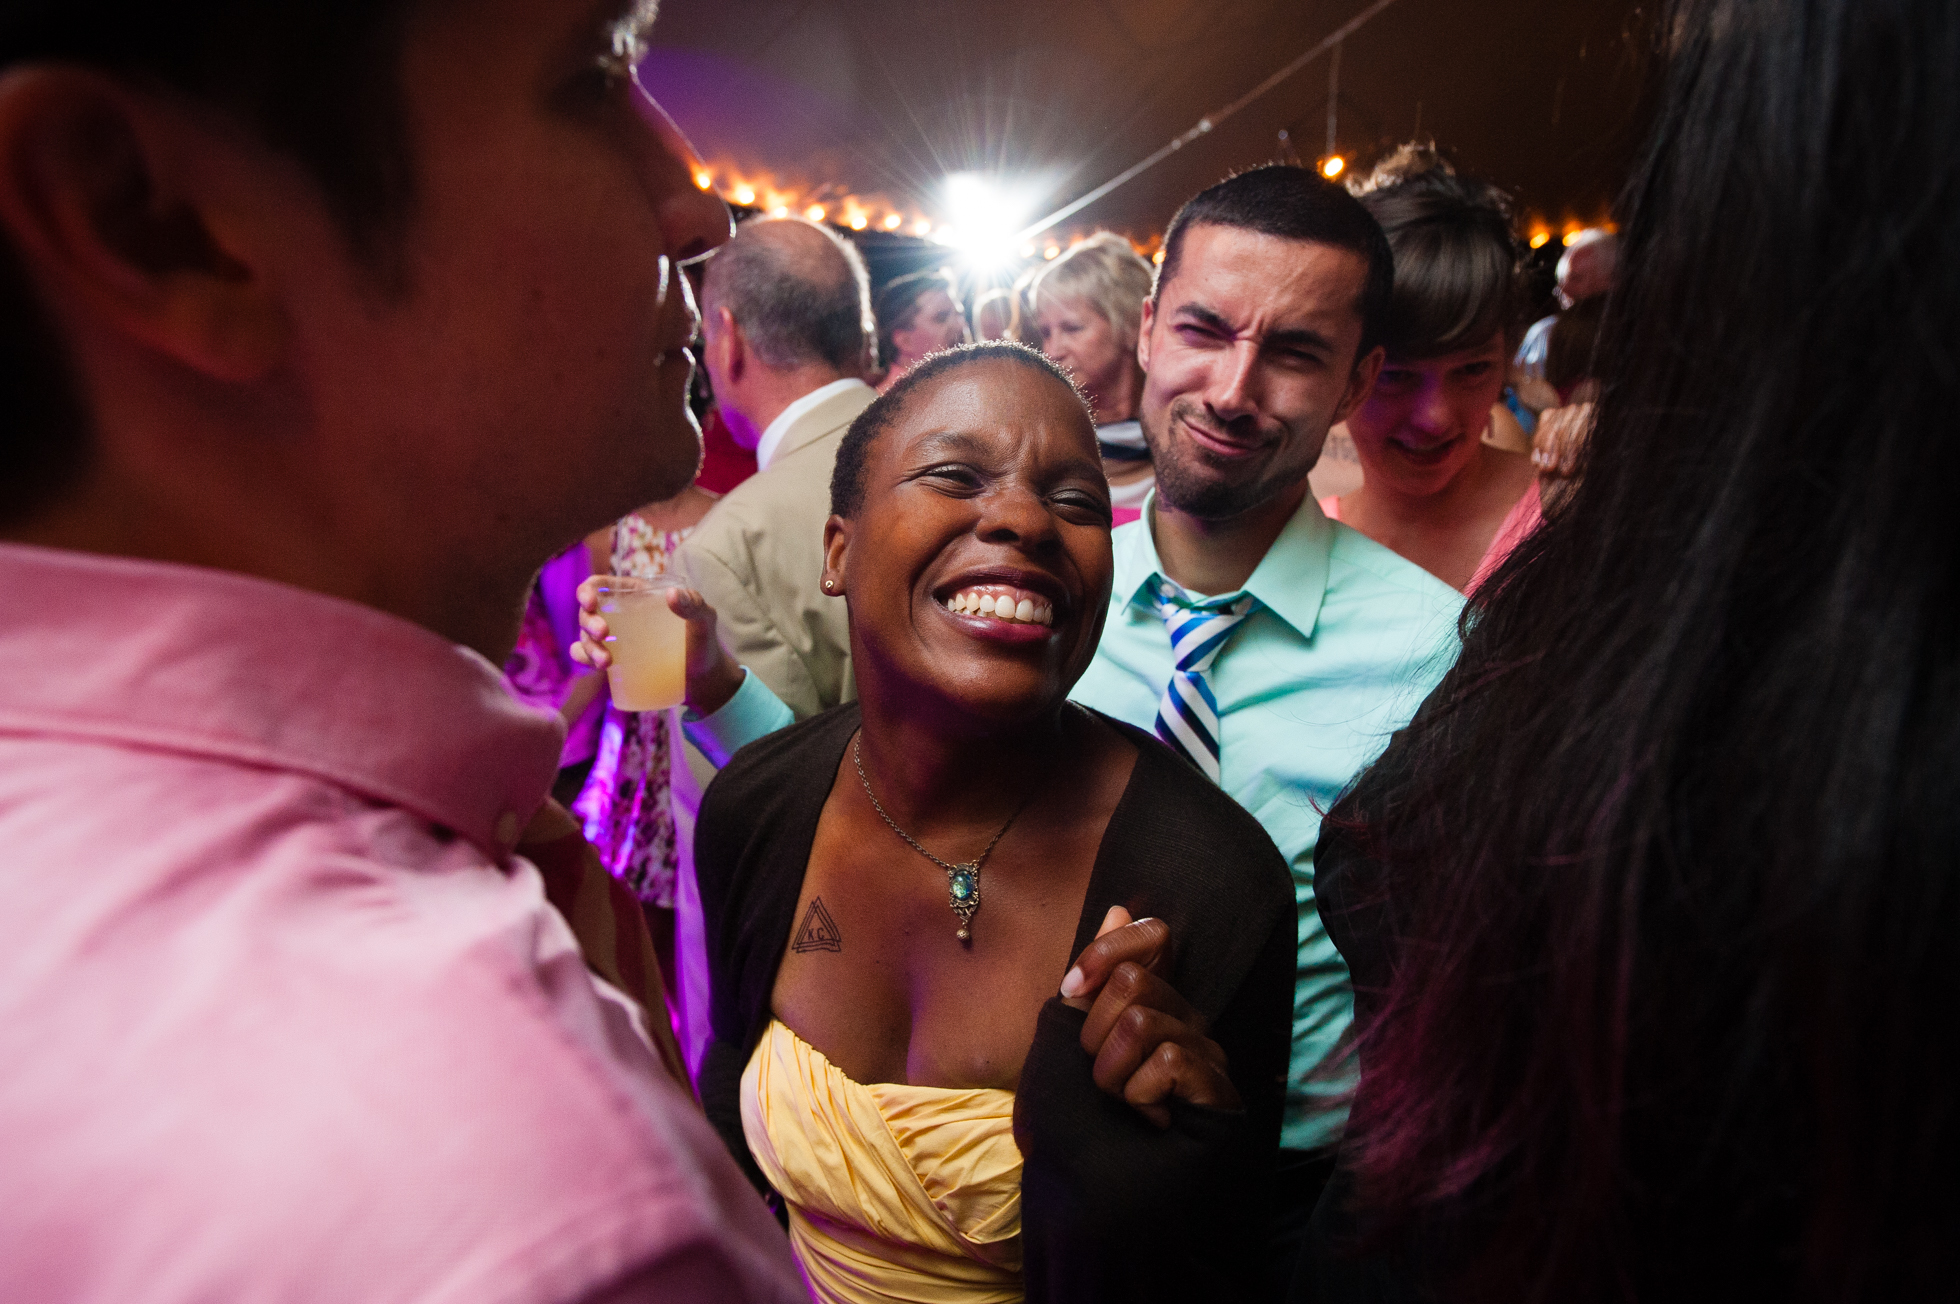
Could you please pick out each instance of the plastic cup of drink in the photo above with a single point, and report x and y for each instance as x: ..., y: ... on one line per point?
x: 648, y: 643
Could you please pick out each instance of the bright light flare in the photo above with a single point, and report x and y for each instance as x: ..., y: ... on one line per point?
x: 744, y: 195
x: 815, y: 212
x: 984, y: 219
x: 1333, y: 166
x: 893, y: 221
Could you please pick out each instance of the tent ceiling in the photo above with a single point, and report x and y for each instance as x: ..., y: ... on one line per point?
x: 881, y: 100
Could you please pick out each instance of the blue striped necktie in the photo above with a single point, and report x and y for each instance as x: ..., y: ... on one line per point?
x: 1187, y: 717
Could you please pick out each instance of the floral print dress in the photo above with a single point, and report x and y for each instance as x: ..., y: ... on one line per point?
x: 625, y: 805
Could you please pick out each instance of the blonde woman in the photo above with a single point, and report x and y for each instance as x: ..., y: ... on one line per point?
x: 1087, y: 307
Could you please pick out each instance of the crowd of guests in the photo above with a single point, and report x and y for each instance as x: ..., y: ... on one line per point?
x: 1098, y: 857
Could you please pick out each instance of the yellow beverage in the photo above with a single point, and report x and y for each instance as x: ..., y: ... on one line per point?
x: 648, y: 646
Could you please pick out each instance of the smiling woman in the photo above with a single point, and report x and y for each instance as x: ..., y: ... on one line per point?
x: 1433, y: 490
x: 939, y: 1036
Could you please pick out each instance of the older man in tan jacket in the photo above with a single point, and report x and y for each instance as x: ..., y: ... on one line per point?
x: 786, y: 309
x: 788, y: 327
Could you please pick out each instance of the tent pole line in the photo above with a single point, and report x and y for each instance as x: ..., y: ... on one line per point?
x: 1206, y: 123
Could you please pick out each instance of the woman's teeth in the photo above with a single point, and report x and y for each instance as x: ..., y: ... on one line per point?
x: 1022, y: 608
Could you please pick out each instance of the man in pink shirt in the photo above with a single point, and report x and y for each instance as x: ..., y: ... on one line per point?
x: 320, y: 322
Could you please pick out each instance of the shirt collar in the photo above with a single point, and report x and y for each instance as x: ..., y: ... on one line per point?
x: 1290, y: 580
x: 771, y: 444
x: 211, y: 663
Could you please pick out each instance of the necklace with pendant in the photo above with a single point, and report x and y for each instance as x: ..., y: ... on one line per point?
x: 962, y: 879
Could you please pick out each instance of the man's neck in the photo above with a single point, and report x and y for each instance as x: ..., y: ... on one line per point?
x: 1216, y: 557
x: 256, y: 535
x: 768, y: 393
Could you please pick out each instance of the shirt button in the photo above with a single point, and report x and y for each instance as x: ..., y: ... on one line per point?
x: 508, y: 828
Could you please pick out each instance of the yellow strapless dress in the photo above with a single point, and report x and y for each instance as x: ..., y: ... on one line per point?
x: 895, y: 1193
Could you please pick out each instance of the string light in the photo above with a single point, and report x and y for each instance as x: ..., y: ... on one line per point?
x: 815, y: 212
x: 859, y: 221
x: 704, y: 179
x: 1539, y: 239
x: 893, y: 221
x: 1333, y: 166
x: 743, y: 195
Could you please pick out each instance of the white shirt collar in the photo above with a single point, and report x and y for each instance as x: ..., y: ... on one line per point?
x: 772, y: 438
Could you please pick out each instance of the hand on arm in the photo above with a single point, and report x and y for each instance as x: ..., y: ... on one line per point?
x: 712, y: 675
x: 1562, y: 435
x: 1149, y: 1044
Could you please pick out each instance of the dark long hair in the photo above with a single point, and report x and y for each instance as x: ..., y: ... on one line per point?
x: 1668, y: 868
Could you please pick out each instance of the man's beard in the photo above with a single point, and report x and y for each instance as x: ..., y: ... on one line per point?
x: 1186, y: 483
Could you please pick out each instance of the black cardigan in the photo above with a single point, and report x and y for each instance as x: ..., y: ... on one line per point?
x: 1111, y: 1207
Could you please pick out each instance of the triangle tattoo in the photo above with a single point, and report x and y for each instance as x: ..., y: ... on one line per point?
x: 819, y: 931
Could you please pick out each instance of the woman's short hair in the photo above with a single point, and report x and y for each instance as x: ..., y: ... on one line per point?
x: 1457, y: 255
x: 1103, y: 272
x: 847, y: 476
x: 898, y: 303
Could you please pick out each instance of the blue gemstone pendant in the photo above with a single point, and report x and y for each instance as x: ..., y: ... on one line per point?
x: 963, y: 895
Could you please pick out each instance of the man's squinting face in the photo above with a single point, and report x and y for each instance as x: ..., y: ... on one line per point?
x: 1249, y: 356
x: 1425, y: 420
x: 978, y: 567
x: 530, y: 382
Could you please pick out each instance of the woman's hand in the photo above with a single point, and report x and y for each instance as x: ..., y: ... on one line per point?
x: 712, y: 675
x: 1562, y: 435
x: 1148, y: 1042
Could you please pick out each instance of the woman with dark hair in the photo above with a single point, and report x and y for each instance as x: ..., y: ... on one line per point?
x: 1672, y: 1015
x: 896, y: 890
x: 917, y: 315
x: 1433, y: 489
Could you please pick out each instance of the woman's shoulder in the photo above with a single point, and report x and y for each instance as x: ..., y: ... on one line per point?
x: 1178, y: 827
x: 788, y: 767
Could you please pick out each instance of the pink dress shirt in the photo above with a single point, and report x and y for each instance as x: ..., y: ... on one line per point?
x: 281, y: 1018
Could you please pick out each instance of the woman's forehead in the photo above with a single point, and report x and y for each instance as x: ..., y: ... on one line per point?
x: 990, y: 400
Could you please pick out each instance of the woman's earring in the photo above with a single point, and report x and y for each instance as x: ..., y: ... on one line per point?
x: 828, y: 586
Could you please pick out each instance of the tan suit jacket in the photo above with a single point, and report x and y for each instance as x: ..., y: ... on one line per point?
x: 758, y: 559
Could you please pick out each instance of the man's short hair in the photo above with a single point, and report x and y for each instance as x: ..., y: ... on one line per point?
x: 316, y: 80
x: 1292, y: 203
x: 1458, y: 260
x: 793, y: 313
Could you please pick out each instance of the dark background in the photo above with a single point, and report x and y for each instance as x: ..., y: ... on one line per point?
x: 876, y: 101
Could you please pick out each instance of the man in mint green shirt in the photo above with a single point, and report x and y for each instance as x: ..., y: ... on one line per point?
x: 1300, y: 645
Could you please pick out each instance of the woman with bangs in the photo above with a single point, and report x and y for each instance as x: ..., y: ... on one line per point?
x: 1435, y: 490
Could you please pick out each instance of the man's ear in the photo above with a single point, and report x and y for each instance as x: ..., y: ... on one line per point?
x: 1143, y: 333
x: 100, y: 197
x: 836, y: 552
x: 733, y: 345
x: 1361, y: 383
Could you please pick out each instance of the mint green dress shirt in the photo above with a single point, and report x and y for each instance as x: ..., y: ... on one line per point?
x: 1343, y: 643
